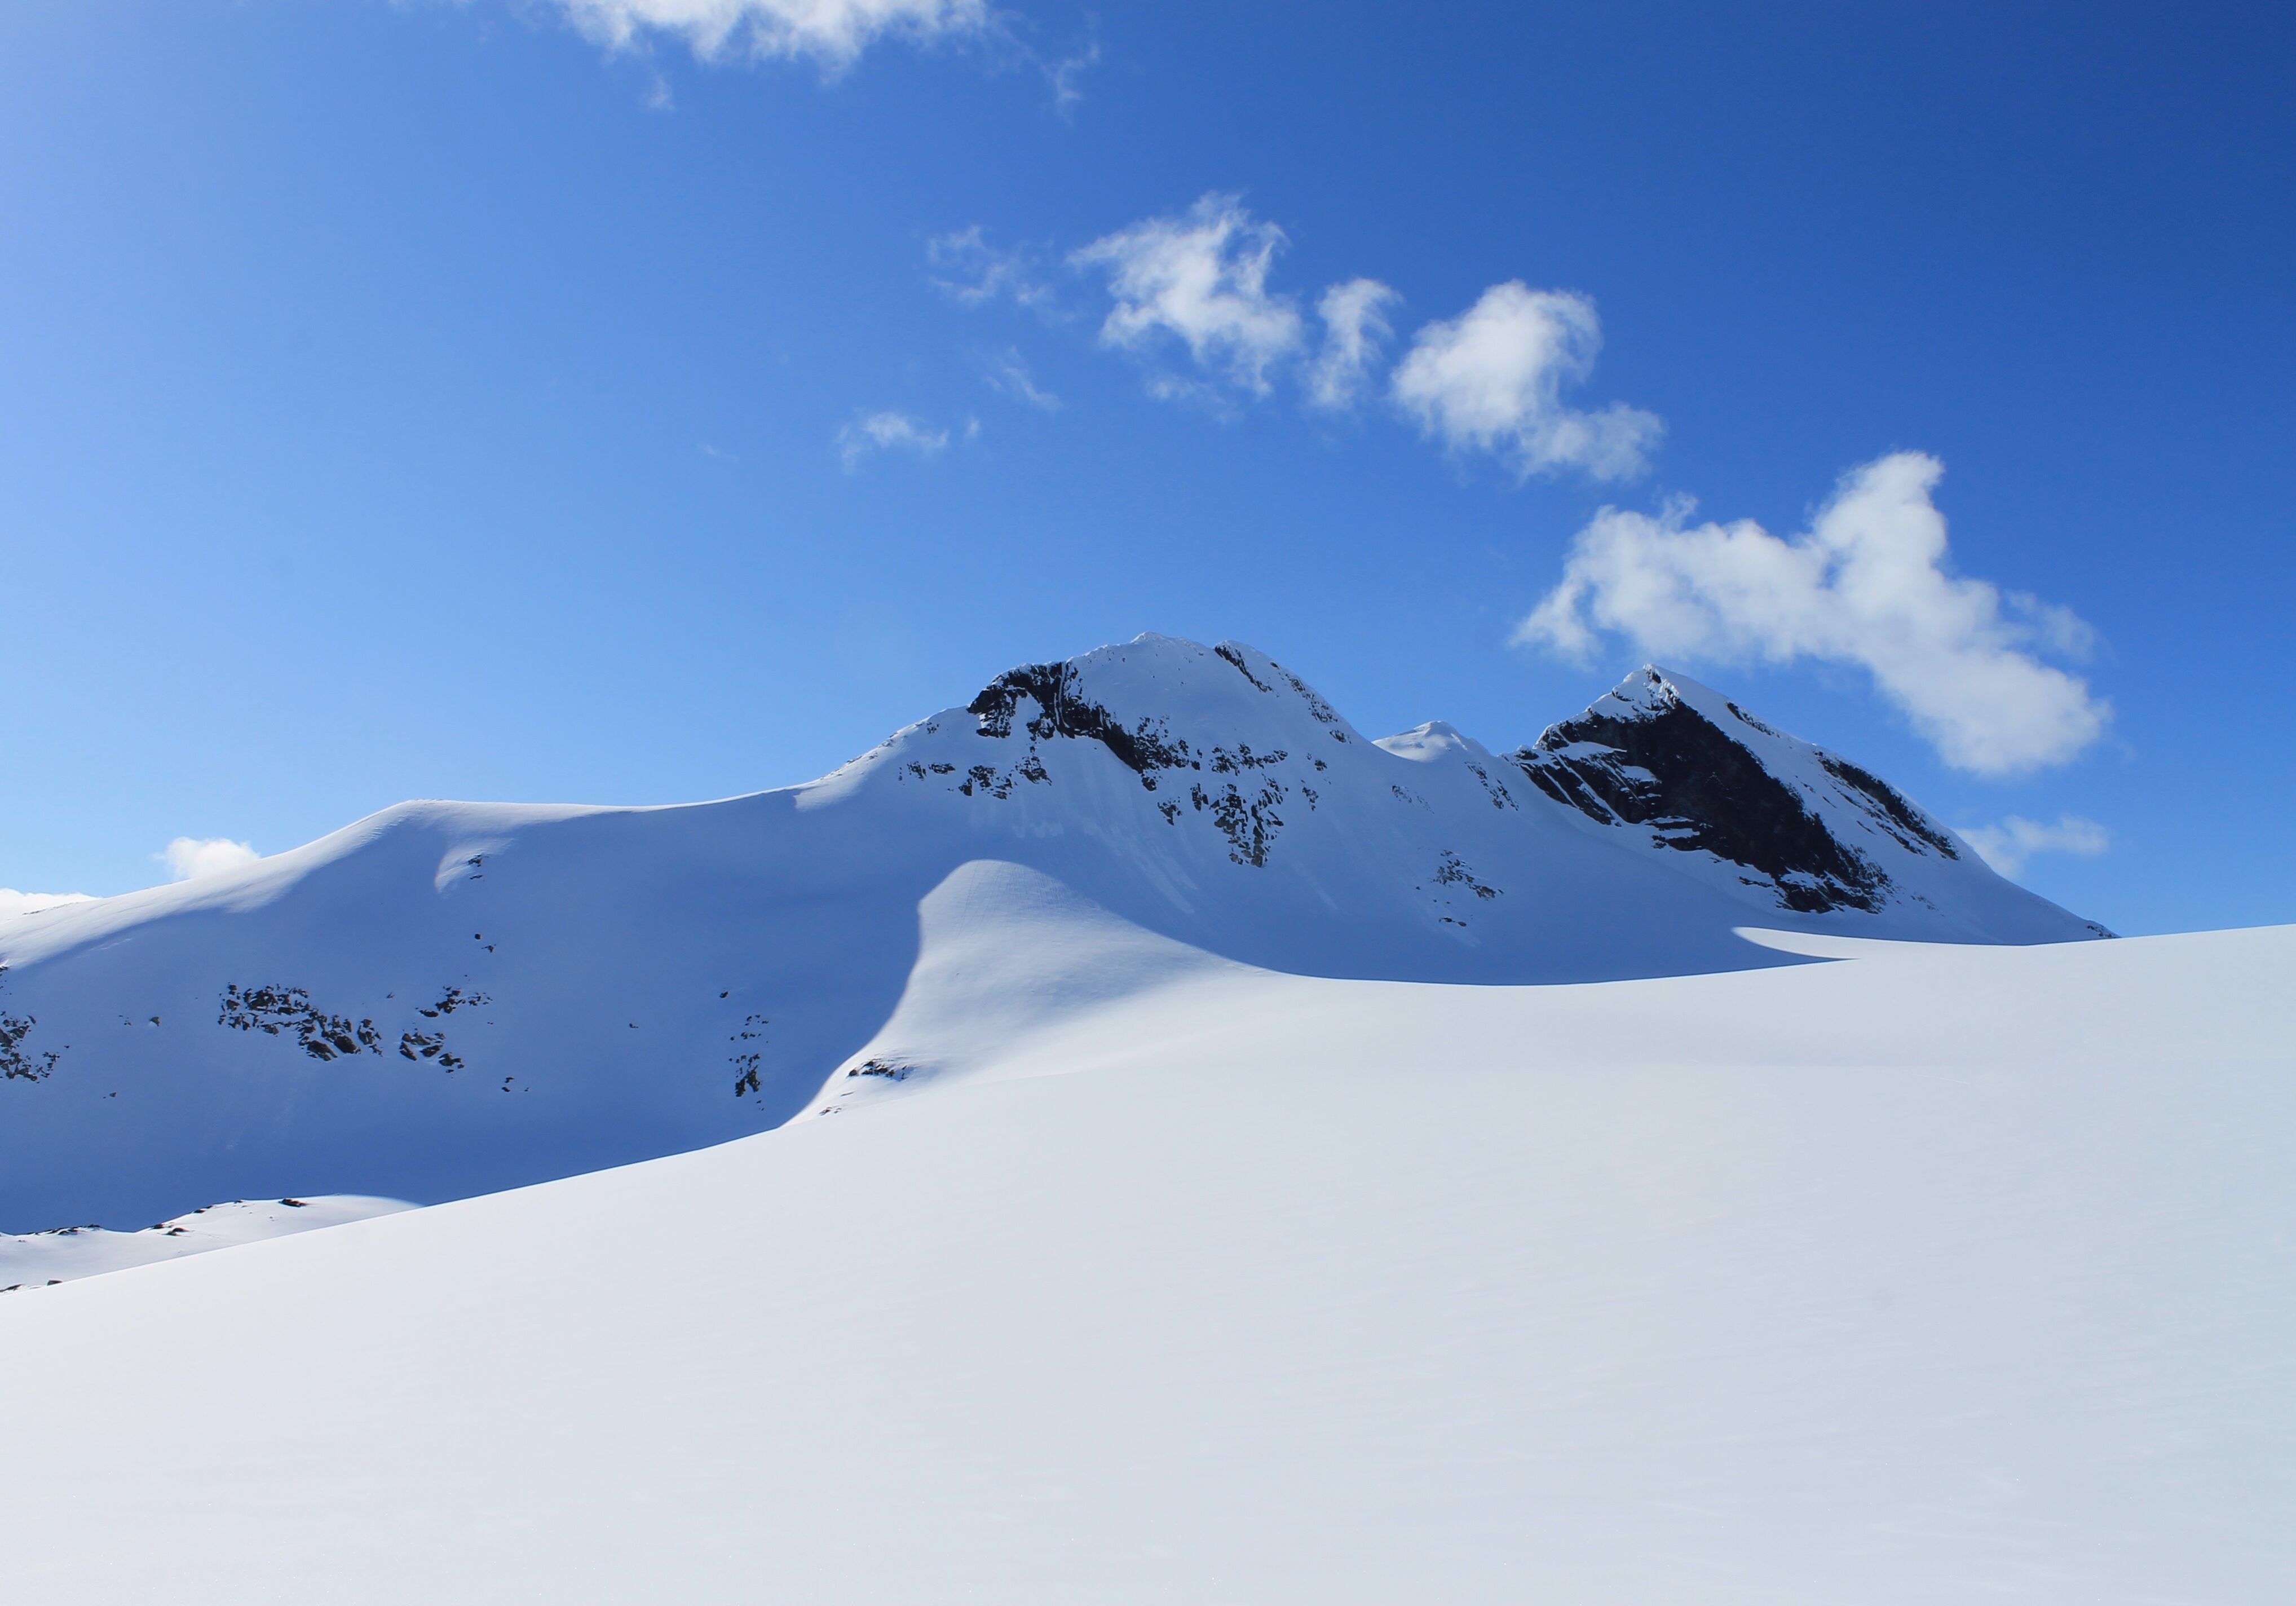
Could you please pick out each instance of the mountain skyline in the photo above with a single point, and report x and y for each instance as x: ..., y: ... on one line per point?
x: 451, y: 998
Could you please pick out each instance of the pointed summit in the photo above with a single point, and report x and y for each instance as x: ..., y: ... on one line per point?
x: 1689, y: 772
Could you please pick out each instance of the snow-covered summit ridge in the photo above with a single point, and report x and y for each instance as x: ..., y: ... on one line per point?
x: 1225, y: 740
x: 449, y: 998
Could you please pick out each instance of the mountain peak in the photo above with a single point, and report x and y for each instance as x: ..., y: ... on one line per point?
x: 1670, y: 759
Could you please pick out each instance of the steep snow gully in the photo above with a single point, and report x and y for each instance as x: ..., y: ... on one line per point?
x: 449, y: 998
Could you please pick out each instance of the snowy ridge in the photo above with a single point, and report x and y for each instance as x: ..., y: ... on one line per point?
x: 449, y: 998
x: 38, y: 1260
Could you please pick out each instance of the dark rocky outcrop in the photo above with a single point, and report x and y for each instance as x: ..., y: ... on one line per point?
x: 1666, y: 765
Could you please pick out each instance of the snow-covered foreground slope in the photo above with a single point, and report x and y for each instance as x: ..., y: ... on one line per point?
x: 449, y: 998
x: 36, y: 1260
x: 1935, y: 1273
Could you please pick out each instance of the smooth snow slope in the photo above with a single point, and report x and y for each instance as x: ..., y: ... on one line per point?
x: 1938, y: 1274
x: 448, y: 998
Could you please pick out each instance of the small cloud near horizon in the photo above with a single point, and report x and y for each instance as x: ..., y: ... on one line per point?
x: 190, y: 857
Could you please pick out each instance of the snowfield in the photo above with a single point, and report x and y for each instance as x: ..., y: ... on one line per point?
x: 1893, y: 1273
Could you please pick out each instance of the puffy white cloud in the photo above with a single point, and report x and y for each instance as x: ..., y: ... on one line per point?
x: 189, y: 857
x: 1866, y: 584
x: 883, y: 431
x: 1493, y: 379
x: 1009, y: 375
x: 2008, y: 845
x: 1200, y: 278
x: 1355, y: 328
x: 833, y: 32
x: 13, y: 902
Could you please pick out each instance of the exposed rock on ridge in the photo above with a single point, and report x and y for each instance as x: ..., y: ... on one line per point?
x: 1699, y: 775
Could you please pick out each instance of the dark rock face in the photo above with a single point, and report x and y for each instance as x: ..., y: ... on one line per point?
x: 1063, y: 710
x: 1248, y: 821
x: 1672, y: 770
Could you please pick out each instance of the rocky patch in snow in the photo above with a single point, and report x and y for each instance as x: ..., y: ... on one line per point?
x: 17, y: 1062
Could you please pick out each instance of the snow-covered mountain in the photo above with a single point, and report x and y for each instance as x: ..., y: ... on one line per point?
x: 448, y: 998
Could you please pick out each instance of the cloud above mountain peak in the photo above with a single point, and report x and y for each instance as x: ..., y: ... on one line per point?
x: 1868, y: 584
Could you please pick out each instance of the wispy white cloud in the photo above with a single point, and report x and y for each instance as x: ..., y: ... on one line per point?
x: 973, y: 273
x: 1009, y: 375
x: 1355, y: 330
x: 2008, y: 845
x: 13, y: 902
x: 189, y: 857
x: 888, y: 432
x: 1200, y: 278
x: 832, y: 33
x: 1867, y: 585
x: 1492, y: 380
x: 1066, y: 75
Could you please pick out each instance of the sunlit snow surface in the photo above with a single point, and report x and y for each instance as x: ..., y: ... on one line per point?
x: 1930, y: 1274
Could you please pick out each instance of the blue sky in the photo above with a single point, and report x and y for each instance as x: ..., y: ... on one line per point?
x: 547, y: 401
